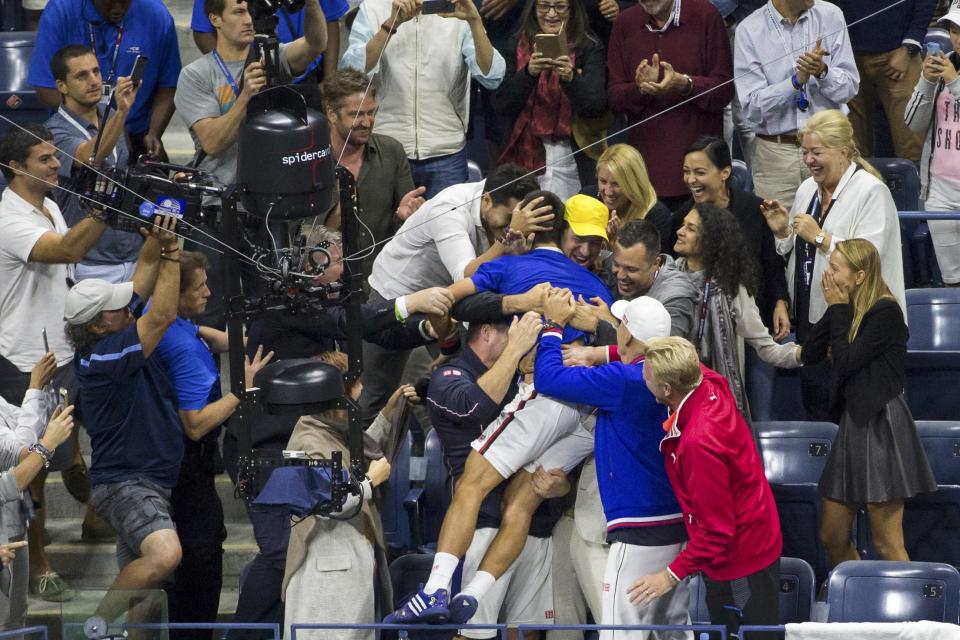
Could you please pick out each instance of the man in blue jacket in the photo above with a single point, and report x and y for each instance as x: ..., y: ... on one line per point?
x: 644, y: 522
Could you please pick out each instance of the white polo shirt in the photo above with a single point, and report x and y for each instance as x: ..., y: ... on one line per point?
x: 32, y: 294
x: 434, y: 245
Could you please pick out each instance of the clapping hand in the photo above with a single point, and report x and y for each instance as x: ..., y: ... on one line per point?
x: 778, y: 218
x: 811, y: 63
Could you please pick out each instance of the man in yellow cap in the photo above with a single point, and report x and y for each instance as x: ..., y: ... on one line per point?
x: 585, y: 231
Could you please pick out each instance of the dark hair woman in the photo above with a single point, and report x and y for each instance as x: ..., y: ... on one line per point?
x: 877, y: 457
x: 544, y: 93
x: 707, y: 168
x: 710, y: 244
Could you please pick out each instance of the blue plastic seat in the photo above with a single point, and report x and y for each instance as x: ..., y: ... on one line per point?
x: 931, y: 521
x: 396, y: 529
x: 741, y: 178
x: 796, y: 593
x: 882, y: 591
x: 18, y: 100
x: 941, y: 37
x: 427, y: 504
x: 933, y: 353
x: 773, y: 393
x: 474, y: 174
x: 794, y: 456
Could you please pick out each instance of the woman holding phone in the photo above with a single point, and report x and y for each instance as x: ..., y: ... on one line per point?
x: 932, y: 111
x: 556, y: 73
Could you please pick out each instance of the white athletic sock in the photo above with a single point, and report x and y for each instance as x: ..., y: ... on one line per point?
x: 444, y: 564
x: 480, y: 584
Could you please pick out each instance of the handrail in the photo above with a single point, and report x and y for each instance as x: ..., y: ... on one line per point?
x: 15, y: 633
x: 928, y: 215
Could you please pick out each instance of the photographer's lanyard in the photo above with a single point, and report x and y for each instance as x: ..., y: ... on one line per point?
x: 226, y: 73
x: 111, y: 76
x: 800, y: 100
x: 86, y: 132
x: 808, y: 251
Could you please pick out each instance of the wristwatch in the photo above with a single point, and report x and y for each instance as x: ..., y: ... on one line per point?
x: 818, y: 240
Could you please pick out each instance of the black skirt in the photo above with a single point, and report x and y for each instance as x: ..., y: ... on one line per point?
x: 880, y: 461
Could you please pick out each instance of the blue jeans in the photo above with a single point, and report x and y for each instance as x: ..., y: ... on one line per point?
x: 436, y: 174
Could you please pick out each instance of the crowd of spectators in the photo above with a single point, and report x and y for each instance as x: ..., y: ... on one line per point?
x: 579, y: 316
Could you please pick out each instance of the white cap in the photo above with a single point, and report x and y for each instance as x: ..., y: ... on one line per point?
x: 89, y: 297
x: 644, y: 317
x: 953, y: 15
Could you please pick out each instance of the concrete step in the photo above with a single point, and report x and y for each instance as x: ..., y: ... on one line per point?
x: 93, y: 565
x: 61, y: 505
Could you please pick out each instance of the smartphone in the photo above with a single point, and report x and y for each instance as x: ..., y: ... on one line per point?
x: 438, y: 6
x: 64, y: 398
x: 46, y: 343
x: 548, y: 44
x: 934, y: 49
x: 139, y: 66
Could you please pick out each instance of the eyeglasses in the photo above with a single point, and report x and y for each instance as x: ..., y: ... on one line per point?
x: 545, y: 8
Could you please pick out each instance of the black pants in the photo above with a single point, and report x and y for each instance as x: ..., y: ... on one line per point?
x: 194, y: 593
x: 262, y: 583
x: 751, y: 600
x: 815, y: 380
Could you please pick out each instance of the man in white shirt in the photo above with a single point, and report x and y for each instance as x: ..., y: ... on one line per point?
x: 447, y: 238
x: 423, y: 65
x: 36, y: 254
x: 792, y: 58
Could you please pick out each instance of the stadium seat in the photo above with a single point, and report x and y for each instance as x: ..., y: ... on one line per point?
x: 903, y: 180
x: 796, y: 593
x: 941, y: 37
x: 794, y: 455
x: 741, y: 178
x: 407, y: 573
x: 18, y: 100
x: 426, y: 505
x: 396, y: 528
x: 931, y: 521
x: 474, y: 174
x: 882, y: 591
x: 773, y: 393
x: 933, y: 353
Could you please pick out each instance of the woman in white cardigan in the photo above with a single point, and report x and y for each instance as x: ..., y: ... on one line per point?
x: 844, y: 198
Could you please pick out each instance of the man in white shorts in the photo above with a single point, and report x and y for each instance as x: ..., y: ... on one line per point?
x: 532, y: 433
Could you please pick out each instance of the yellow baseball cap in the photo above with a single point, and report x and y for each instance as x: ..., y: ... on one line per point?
x: 587, y: 216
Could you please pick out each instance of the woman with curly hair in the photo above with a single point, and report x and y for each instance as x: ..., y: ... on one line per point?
x: 709, y: 244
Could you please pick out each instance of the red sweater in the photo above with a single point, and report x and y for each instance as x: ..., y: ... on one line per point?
x: 718, y: 478
x: 699, y: 47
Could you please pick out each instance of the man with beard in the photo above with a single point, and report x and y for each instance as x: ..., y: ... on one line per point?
x: 378, y: 162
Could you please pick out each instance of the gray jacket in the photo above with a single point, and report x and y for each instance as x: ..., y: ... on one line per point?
x: 920, y: 118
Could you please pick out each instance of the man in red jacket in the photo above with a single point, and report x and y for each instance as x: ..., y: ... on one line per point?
x: 717, y: 476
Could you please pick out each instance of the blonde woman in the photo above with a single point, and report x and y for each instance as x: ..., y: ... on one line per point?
x: 625, y: 188
x: 844, y: 197
x: 877, y: 458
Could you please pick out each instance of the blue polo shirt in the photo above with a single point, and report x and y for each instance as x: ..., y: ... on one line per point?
x: 148, y: 30
x: 128, y: 407
x: 289, y: 25
x: 190, y: 365
x: 516, y: 274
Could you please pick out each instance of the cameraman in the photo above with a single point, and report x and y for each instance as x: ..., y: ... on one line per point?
x: 305, y: 335
x: 213, y: 92
x: 186, y: 352
x: 75, y: 127
x: 129, y: 410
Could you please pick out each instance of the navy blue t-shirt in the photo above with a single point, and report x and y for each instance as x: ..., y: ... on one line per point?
x: 129, y: 409
x: 189, y: 363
